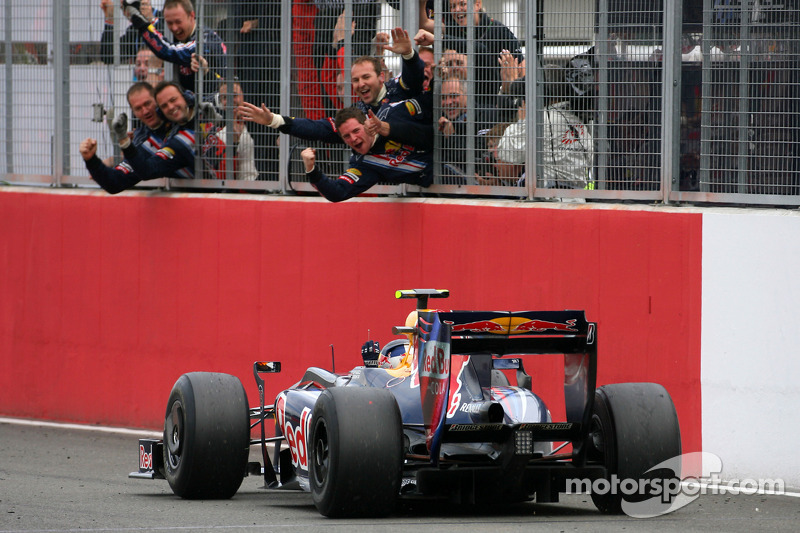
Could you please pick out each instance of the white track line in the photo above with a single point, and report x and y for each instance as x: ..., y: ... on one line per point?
x: 144, y: 433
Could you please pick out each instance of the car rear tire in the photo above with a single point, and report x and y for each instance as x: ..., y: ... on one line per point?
x: 355, y: 452
x: 634, y: 427
x: 206, y: 436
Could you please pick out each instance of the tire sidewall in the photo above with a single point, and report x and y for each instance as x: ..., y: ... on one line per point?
x: 179, y: 477
x: 324, y: 416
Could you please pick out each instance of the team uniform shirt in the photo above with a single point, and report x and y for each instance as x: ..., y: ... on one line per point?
x: 214, y: 51
x: 409, y: 121
x: 406, y: 157
x: 121, y: 177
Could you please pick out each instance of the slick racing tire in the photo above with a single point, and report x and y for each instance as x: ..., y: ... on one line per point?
x: 206, y: 436
x: 634, y: 428
x: 355, y: 452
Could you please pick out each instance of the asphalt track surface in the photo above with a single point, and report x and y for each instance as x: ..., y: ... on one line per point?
x: 58, y: 479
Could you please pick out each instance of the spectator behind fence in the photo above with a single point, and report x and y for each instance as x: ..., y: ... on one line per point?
x: 567, y: 144
x: 375, y: 157
x: 149, y: 137
x: 176, y: 157
x: 452, y: 125
x: 131, y: 40
x: 453, y: 64
x: 491, y: 37
x: 244, y: 165
x: 456, y: 129
x: 179, y: 17
x: 493, y: 170
x: 148, y: 67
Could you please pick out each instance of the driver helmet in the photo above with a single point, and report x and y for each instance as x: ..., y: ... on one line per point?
x: 399, y: 352
x: 392, y: 354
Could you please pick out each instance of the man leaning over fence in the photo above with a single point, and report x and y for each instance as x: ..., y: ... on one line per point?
x: 375, y: 156
x: 149, y: 137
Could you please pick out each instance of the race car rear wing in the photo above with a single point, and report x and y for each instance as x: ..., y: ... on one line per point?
x: 522, y: 332
x: 497, y: 334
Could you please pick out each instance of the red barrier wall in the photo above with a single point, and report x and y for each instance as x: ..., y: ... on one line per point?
x: 106, y: 300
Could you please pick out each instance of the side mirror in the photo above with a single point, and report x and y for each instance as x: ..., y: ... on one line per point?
x: 267, y: 367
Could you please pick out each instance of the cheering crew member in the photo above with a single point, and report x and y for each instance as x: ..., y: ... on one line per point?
x: 381, y: 150
x: 149, y: 137
x: 176, y: 156
x: 179, y: 16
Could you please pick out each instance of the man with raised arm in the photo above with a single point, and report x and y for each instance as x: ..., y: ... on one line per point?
x: 149, y: 138
x: 368, y: 82
x: 179, y: 17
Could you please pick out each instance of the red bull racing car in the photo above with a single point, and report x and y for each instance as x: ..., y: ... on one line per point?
x: 448, y: 413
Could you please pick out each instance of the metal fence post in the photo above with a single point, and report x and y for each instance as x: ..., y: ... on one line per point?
x: 534, y: 101
x: 670, y: 95
x: 60, y: 145
x: 746, y: 47
x: 601, y: 130
x: 285, y: 96
x: 9, y: 88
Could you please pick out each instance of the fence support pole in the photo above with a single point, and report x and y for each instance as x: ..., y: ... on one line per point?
x: 670, y: 99
x: 60, y: 145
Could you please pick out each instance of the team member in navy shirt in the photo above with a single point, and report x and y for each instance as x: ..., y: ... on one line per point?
x: 397, y: 151
x: 179, y: 17
x: 149, y: 137
x: 176, y: 157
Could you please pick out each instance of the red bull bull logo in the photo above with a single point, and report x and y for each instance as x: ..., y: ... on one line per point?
x: 544, y: 325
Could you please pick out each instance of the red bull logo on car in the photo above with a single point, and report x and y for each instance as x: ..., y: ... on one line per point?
x: 436, y: 364
x: 512, y: 325
x: 296, y: 436
x: 145, y: 459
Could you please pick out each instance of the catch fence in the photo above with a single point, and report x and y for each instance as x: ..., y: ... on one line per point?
x: 594, y: 99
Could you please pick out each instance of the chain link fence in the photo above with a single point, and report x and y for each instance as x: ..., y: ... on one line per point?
x: 561, y: 100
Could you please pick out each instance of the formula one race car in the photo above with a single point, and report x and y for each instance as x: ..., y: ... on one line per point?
x: 446, y: 413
